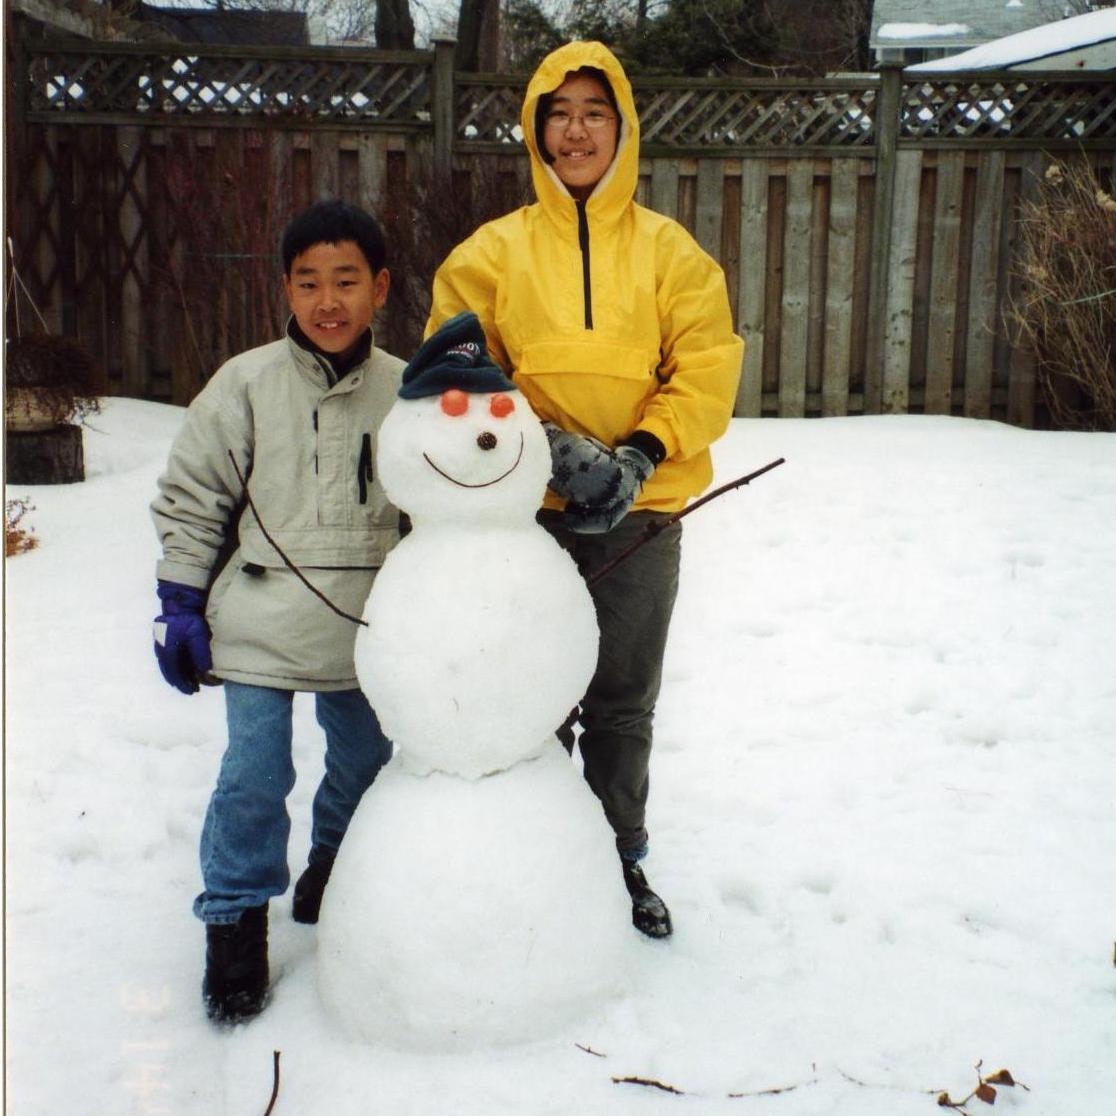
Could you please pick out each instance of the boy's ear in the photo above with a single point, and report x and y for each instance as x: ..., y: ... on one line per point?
x: 381, y: 284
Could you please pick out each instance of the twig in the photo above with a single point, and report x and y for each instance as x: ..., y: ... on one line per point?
x: 589, y: 1050
x: 275, y: 1086
x: 17, y: 278
x: 652, y: 529
x: 279, y: 550
x: 776, y: 1091
x: 650, y: 1082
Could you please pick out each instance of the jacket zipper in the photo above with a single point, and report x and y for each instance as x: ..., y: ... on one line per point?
x: 583, y: 244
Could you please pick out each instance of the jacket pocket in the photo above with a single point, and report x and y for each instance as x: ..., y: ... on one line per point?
x: 589, y: 386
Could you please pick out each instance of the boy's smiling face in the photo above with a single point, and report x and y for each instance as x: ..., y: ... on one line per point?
x: 334, y: 295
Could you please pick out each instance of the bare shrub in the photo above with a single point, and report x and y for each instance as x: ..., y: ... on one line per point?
x: 1065, y: 308
x: 424, y: 222
x: 226, y: 208
x: 64, y: 379
x: 18, y: 538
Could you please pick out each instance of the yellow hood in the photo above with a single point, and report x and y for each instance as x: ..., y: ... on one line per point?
x: 617, y: 188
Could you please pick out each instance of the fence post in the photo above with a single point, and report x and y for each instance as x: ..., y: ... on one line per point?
x: 442, y: 96
x: 888, y: 109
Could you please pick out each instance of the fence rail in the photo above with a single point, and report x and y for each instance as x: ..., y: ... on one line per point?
x: 867, y: 226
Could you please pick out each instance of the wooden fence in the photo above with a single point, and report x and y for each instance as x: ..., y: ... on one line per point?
x: 867, y: 226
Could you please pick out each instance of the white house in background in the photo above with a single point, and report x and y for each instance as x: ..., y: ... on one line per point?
x: 911, y: 31
x: 1084, y: 42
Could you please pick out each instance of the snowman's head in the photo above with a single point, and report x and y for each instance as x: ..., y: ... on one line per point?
x: 465, y: 457
x: 461, y: 444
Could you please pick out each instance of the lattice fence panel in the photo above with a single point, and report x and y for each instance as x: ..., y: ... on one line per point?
x: 488, y: 112
x: 697, y: 115
x: 172, y: 84
x: 1010, y: 108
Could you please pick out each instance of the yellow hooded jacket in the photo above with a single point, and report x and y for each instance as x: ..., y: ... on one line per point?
x: 609, y: 317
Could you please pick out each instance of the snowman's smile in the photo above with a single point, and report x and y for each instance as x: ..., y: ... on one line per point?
x: 483, y: 484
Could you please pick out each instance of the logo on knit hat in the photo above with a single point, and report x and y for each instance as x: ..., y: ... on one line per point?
x: 468, y: 349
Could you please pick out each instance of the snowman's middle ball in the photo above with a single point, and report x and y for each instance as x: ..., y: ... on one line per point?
x: 481, y: 635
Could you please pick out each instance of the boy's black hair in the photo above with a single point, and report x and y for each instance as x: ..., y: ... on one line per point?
x: 329, y: 222
x: 543, y: 106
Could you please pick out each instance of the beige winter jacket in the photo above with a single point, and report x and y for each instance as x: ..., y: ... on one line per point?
x: 307, y: 446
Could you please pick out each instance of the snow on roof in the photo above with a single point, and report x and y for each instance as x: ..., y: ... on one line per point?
x: 920, y: 31
x: 1039, y: 42
x: 981, y: 20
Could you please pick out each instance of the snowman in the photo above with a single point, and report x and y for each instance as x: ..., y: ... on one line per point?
x: 475, y: 899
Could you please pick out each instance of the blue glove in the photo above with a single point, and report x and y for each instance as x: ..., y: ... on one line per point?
x: 633, y: 467
x: 582, y: 469
x: 182, y: 636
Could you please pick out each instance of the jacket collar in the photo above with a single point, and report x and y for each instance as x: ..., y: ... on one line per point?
x: 616, y: 190
x: 321, y: 365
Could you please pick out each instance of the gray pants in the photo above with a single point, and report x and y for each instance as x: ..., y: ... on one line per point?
x: 634, y: 604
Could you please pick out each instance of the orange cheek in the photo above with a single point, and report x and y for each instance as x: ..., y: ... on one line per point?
x: 455, y: 402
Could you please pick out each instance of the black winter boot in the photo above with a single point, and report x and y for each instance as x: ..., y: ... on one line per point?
x: 236, y: 973
x: 307, y: 901
x: 649, y: 913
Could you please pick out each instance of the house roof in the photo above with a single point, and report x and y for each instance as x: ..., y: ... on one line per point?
x: 1086, y: 42
x: 951, y: 23
x: 239, y: 28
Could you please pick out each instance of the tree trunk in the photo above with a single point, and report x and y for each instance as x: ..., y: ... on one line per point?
x: 478, y: 36
x: 395, y: 30
x: 51, y: 456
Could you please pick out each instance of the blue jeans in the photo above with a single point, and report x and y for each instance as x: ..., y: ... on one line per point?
x: 244, y: 838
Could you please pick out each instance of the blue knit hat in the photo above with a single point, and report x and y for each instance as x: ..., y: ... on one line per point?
x: 455, y: 356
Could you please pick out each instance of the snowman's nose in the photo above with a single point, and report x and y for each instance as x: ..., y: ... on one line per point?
x: 487, y: 440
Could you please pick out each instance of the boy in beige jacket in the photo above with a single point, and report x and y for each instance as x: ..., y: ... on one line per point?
x: 299, y: 419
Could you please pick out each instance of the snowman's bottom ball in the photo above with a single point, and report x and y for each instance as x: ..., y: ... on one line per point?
x: 466, y: 914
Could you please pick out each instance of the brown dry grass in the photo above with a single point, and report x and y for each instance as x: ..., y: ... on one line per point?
x: 1066, y: 306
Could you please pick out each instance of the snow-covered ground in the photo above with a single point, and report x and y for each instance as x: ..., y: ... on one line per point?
x: 883, y: 807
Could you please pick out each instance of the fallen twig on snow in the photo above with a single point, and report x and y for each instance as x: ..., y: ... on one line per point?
x: 275, y: 1086
x: 648, y: 1081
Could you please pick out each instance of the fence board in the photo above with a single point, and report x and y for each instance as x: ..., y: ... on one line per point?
x: 710, y: 192
x: 797, y: 239
x: 898, y: 304
x: 941, y: 347
x: 324, y: 165
x: 983, y: 285
x: 840, y: 276
x: 664, y: 187
x: 752, y: 298
x: 372, y: 161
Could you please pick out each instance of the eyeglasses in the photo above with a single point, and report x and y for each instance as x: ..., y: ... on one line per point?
x: 560, y: 119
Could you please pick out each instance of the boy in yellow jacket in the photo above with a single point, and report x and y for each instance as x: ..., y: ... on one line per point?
x: 616, y: 327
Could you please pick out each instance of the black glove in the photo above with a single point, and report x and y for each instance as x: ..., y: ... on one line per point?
x: 632, y: 468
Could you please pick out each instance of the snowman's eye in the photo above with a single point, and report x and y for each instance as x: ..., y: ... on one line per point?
x: 455, y: 402
x: 501, y: 406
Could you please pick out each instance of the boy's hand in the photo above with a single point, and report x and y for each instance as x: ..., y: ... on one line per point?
x: 182, y: 636
x: 583, y: 469
x: 633, y: 468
